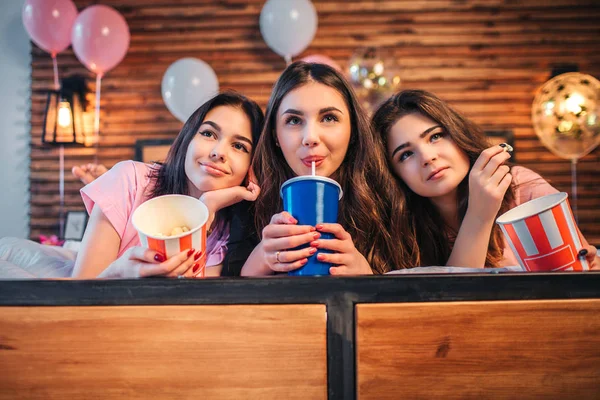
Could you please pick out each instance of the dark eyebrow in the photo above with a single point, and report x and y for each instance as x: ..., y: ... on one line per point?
x: 236, y: 137
x: 321, y: 111
x: 328, y: 109
x: 243, y: 139
x: 213, y: 124
x: 422, y: 135
x: 292, y: 111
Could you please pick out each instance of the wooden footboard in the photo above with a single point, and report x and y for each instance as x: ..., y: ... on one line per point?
x: 164, y: 352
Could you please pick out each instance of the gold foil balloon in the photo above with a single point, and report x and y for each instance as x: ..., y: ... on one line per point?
x: 374, y: 76
x: 566, y: 115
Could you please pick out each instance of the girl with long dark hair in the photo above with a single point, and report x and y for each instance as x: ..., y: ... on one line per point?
x: 210, y: 160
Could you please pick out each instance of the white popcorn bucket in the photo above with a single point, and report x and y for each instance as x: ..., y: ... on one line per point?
x: 158, y: 217
x: 543, y: 235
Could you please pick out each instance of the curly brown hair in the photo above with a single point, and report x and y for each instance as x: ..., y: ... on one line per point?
x: 370, y: 193
x: 419, y: 219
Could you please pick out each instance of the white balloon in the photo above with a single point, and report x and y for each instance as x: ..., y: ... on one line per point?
x: 288, y: 26
x: 186, y: 85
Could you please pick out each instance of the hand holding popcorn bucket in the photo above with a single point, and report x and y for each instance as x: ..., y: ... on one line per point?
x: 171, y: 224
x: 543, y: 235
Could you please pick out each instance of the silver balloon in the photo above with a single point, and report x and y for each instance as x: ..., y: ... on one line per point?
x: 374, y: 76
x: 566, y: 115
x: 288, y: 26
x: 186, y: 85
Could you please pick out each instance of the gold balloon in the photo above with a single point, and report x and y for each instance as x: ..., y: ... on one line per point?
x: 566, y: 115
x: 374, y: 76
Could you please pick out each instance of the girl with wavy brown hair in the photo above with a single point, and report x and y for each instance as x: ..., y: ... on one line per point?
x: 313, y: 115
x: 453, y: 182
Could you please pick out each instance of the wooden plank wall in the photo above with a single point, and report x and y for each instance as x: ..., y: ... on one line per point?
x: 487, y: 57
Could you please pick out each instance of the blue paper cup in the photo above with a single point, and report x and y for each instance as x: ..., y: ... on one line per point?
x: 312, y: 200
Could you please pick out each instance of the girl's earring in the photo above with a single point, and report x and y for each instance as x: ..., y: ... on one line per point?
x: 277, y: 143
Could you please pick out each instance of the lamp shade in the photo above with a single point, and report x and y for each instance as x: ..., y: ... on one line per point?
x: 63, y: 118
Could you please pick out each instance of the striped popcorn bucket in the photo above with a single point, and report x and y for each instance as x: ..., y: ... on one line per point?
x: 543, y: 236
x: 156, y: 218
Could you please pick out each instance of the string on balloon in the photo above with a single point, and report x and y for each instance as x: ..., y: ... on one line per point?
x: 49, y: 25
x: 574, y: 188
x: 100, y: 41
x: 97, y: 117
x: 61, y: 162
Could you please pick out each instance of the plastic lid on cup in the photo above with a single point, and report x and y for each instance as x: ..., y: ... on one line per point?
x: 311, y: 178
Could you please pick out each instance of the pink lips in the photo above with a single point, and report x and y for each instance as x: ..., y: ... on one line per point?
x: 309, y: 160
x: 436, y: 174
x: 212, y: 169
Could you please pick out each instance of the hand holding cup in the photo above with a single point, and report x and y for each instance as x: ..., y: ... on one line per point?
x: 279, y: 239
x: 140, y: 262
x: 347, y: 259
x: 590, y: 253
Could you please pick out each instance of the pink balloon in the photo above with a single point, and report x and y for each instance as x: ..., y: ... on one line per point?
x: 100, y: 38
x: 321, y: 59
x: 49, y: 23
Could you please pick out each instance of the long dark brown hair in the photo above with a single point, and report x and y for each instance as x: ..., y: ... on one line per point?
x: 419, y: 219
x: 369, y: 188
x: 170, y: 177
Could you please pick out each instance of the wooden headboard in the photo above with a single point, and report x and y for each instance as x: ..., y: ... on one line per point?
x: 485, y: 60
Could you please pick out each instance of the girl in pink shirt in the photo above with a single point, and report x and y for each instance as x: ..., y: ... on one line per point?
x: 454, y: 184
x: 210, y: 160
